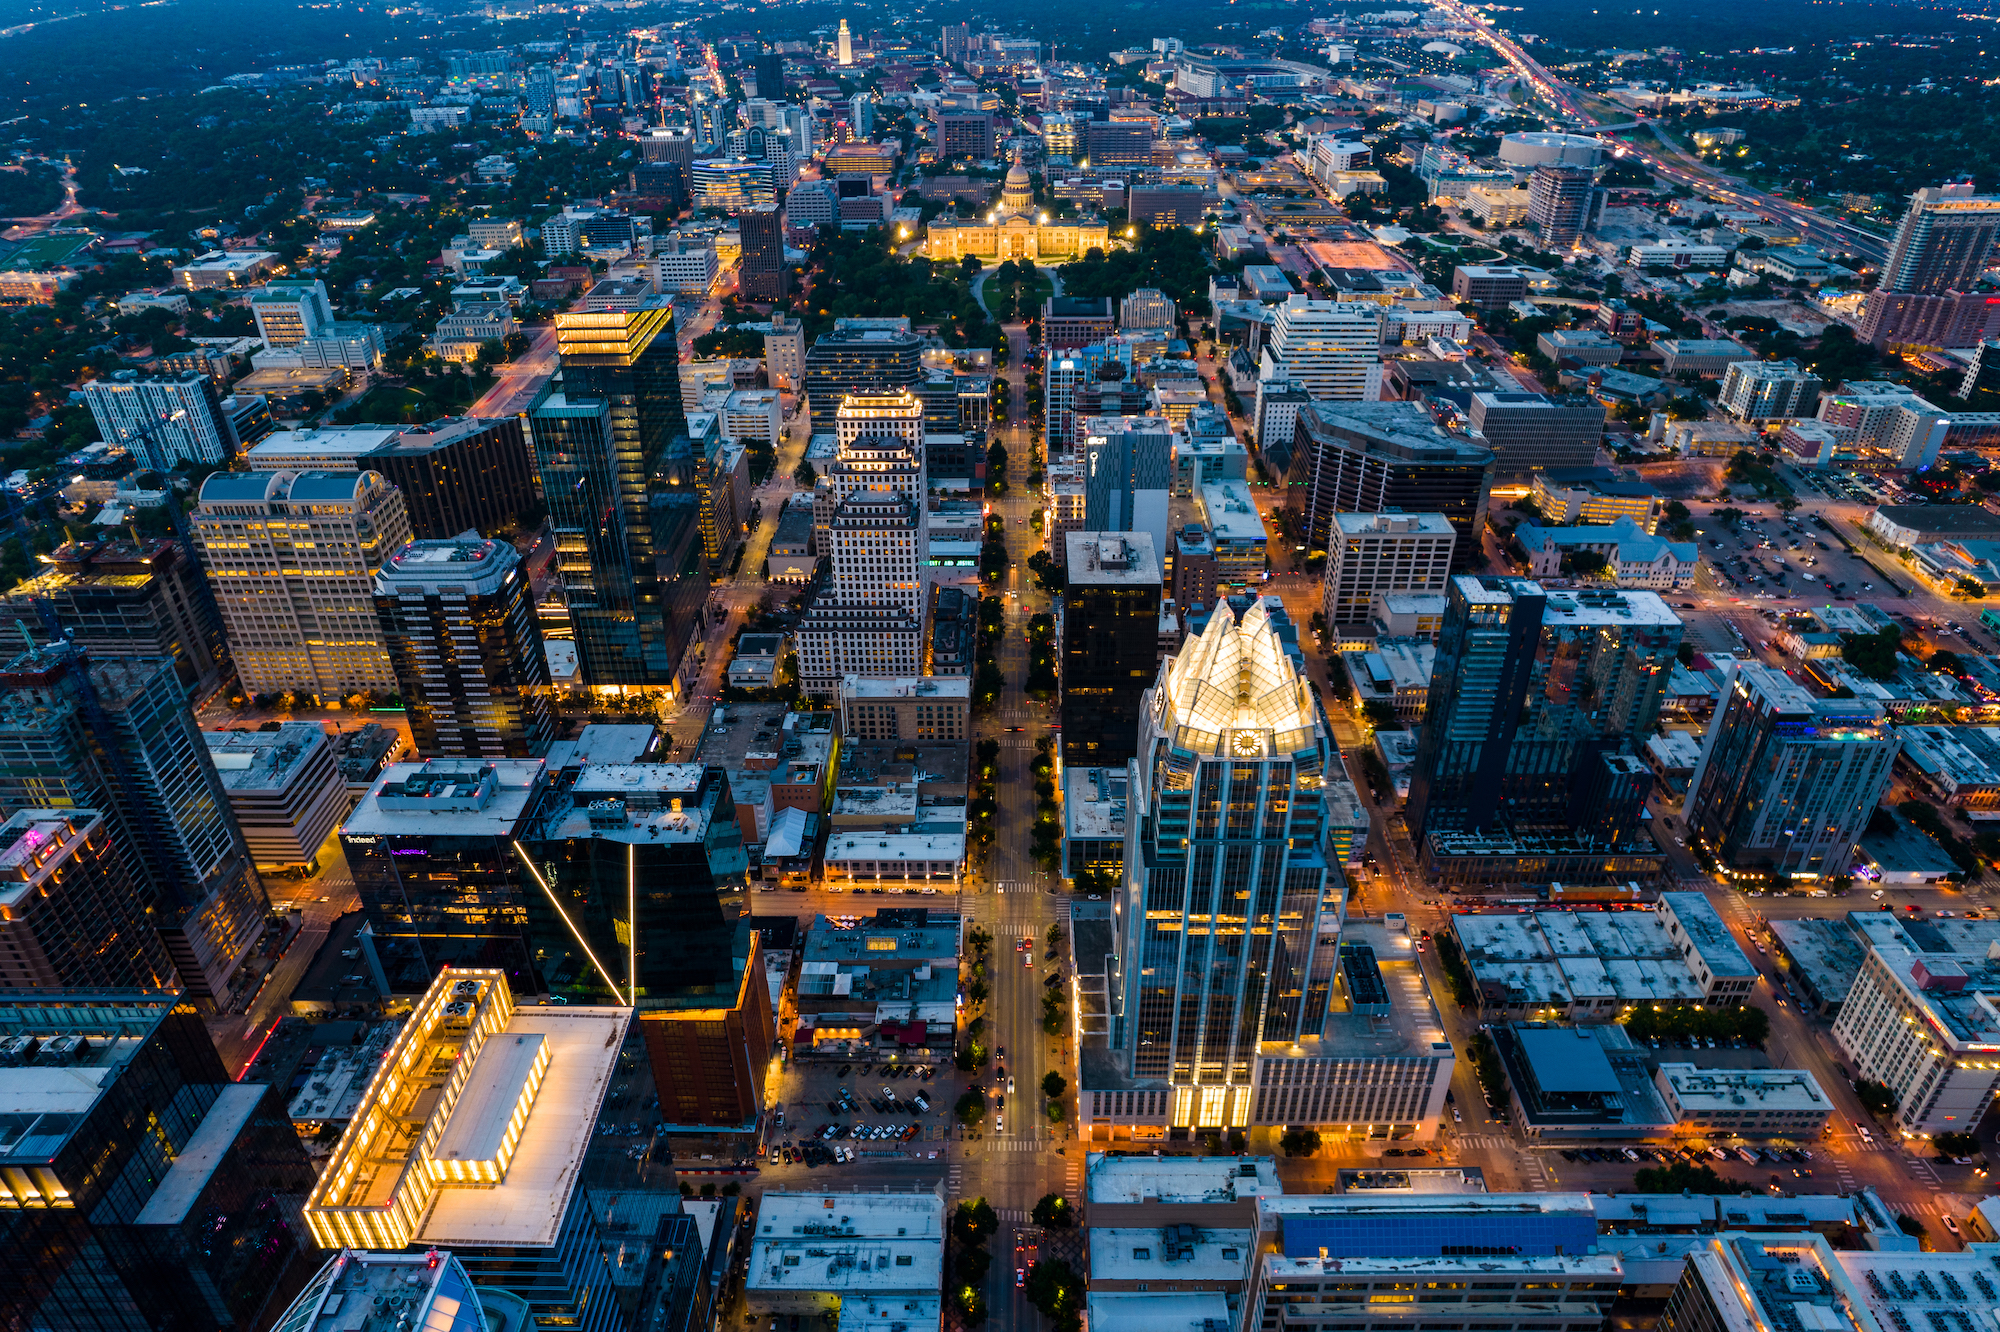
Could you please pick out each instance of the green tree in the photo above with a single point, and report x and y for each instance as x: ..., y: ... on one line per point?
x: 1874, y: 655
x: 1300, y: 1142
x: 971, y: 1109
x: 1678, y: 1176
x: 974, y: 1222
x: 1054, y: 1288
x: 1955, y: 1144
x: 1875, y: 1097
x: 1054, y: 1084
x: 804, y: 476
x: 1053, y: 1212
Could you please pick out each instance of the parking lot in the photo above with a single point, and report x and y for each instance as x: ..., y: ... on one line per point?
x: 837, y: 1114
x: 1780, y: 556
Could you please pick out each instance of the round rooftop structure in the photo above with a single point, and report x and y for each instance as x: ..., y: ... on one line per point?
x: 1543, y: 149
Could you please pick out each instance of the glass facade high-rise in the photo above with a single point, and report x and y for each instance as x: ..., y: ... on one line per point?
x: 1230, y: 904
x: 141, y: 1190
x: 1533, y: 691
x: 117, y: 736
x: 1111, y: 614
x: 461, y: 632
x: 627, y: 527
x: 1787, y: 782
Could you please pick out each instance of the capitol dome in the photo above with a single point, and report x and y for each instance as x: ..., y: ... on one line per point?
x: 1017, y: 195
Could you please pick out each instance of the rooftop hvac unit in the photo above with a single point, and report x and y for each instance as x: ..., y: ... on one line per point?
x: 63, y: 1050
x: 461, y: 1009
x: 18, y: 1050
x: 466, y: 989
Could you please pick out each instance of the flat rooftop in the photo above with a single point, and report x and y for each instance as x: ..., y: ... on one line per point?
x: 1179, y: 1179
x: 847, y: 1243
x: 447, y: 798
x: 1094, y: 802
x: 604, y: 742
x: 1158, y: 1311
x: 1741, y: 1089
x: 527, y: 1209
x: 1104, y: 559
x: 1231, y: 512
x: 287, y: 449
x: 927, y: 686
x: 1170, y: 1253
x: 263, y: 760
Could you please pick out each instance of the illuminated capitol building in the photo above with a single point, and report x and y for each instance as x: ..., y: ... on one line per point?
x: 1015, y: 230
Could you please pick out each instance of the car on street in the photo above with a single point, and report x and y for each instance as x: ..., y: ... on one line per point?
x: 1951, y: 1225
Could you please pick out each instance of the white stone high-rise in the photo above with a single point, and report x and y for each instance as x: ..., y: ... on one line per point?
x: 1334, y: 348
x: 868, y: 620
x: 846, y: 44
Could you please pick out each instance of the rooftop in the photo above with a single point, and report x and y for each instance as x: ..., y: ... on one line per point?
x: 1231, y: 512
x: 1103, y: 559
x: 71, y: 1046
x: 1169, y: 1253
x: 353, y: 1293
x: 447, y: 798
x: 263, y: 760
x: 847, y: 1243
x: 284, y: 449
x: 1415, y: 524
x: 866, y: 687
x: 1179, y: 1179
x: 604, y: 742
x: 1159, y: 1311
x: 1703, y: 925
x: 1703, y: 1089
x: 530, y: 1097
x: 1094, y: 803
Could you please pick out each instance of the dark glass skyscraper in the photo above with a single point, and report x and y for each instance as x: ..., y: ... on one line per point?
x: 461, y: 632
x: 1111, y: 617
x: 628, y: 541
x: 140, y: 1188
x: 1532, y: 693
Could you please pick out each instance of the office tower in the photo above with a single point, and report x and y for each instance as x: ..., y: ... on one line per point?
x: 1334, y: 348
x: 1531, y: 432
x: 1070, y: 322
x: 1787, y: 782
x: 1128, y: 474
x: 867, y: 619
x: 761, y: 272
x: 431, y: 848
x: 73, y: 909
x: 1279, y: 402
x: 289, y: 311
x: 538, y: 103
x: 768, y: 71
x: 1195, y: 573
x: 672, y: 144
x: 1109, y: 143
x: 731, y: 184
x: 284, y: 789
x: 1384, y: 552
x: 1111, y: 617
x: 954, y: 40
x: 121, y: 599
x: 859, y: 356
x: 966, y: 134
x: 1532, y: 691
x: 1559, y: 203
x: 785, y: 352
x: 1146, y: 308
x: 459, y: 474
x: 1760, y: 391
x: 844, y: 44
x: 153, y: 1191
x: 711, y: 1052
x: 877, y: 416
x: 629, y: 554
x: 1061, y: 378
x: 459, y: 624
x: 600, y: 828
x: 1383, y: 457
x: 117, y: 737
x: 861, y: 115
x: 484, y: 1164
x: 1926, y: 294
x: 432, y: 1289
x: 292, y: 557
x: 162, y: 419
x: 1226, y: 946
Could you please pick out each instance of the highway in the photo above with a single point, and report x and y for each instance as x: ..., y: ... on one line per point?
x: 1830, y: 233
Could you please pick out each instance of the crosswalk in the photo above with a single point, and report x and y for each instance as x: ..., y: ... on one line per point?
x: 1013, y: 886
x: 1073, y: 1177
x: 1013, y: 1145
x: 1486, y: 1141
x: 954, y: 1178
x: 1921, y: 1168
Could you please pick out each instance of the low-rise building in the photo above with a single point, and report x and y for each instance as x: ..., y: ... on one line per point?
x: 818, y: 1254
x: 1490, y: 286
x: 1407, y: 614
x: 1570, y: 495
x: 1631, y: 556
x: 922, y: 708
x: 1584, y: 346
x: 1094, y: 813
x: 1371, y: 554
x: 1395, y: 673
x: 1749, y: 1103
x: 1699, y: 356
x: 1237, y: 529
